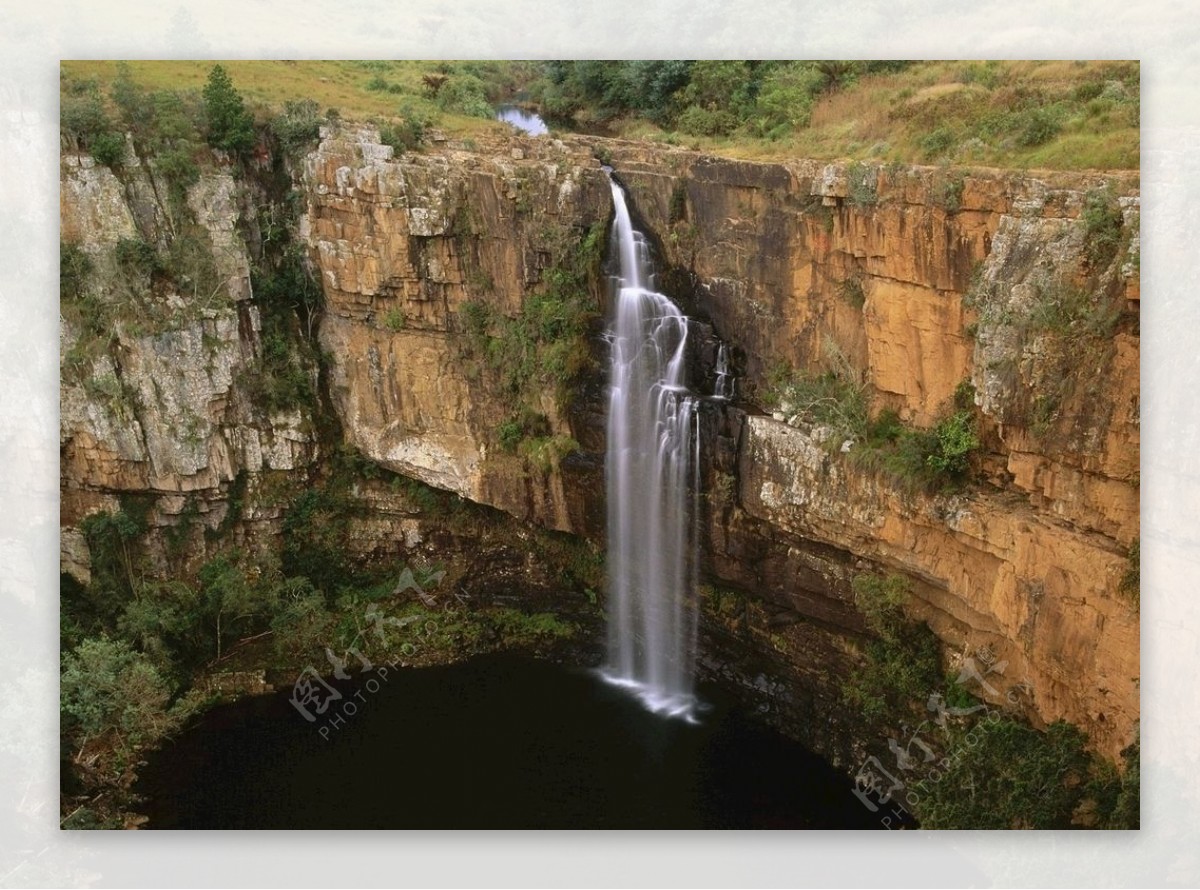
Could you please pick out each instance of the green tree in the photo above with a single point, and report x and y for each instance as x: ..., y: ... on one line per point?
x: 108, y: 685
x: 230, y: 126
x: 134, y: 103
x: 1007, y: 775
x: 786, y: 98
x: 230, y: 600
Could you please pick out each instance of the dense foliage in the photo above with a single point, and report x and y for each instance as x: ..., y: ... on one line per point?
x: 976, y: 765
x: 700, y: 98
x: 1063, y: 115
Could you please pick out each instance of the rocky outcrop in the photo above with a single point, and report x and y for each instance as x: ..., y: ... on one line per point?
x: 402, y: 243
x: 918, y: 280
x: 157, y: 405
x: 990, y: 572
x: 913, y: 279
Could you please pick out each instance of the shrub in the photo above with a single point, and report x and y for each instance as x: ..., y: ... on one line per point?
x: 516, y: 628
x: 81, y: 113
x: 881, y: 600
x: 526, y: 424
x: 955, y: 443
x: 229, y: 600
x: 1004, y: 774
x: 949, y: 191
x: 509, y: 434
x: 937, y: 143
x: 164, y: 621
x: 546, y: 453
x: 897, y: 675
x: 546, y: 342
x: 827, y: 400
x: 109, y: 149
x: 1073, y: 313
x: 302, y: 625
x: 74, y: 270
x: 314, y: 538
x: 723, y: 86
x: 179, y: 168
x: 1039, y: 128
x: 931, y: 459
x: 464, y: 94
x: 1124, y: 809
x: 106, y: 685
x: 697, y: 121
x: 111, y: 538
x: 394, y: 319
x: 986, y: 74
x: 190, y: 262
x: 288, y: 297
x: 476, y: 317
x: 299, y: 125
x: 852, y: 292
x: 406, y: 133
x: 677, y: 211
x: 785, y: 99
x: 134, y: 256
x: 964, y: 396
x: 134, y: 103
x: 1102, y: 224
x: 885, y: 428
x: 862, y: 183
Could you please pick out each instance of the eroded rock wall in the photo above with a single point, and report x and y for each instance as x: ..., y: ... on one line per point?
x: 402, y: 244
x: 917, y: 278
x: 155, y: 405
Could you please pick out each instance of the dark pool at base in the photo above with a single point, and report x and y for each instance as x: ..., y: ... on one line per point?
x: 495, y: 742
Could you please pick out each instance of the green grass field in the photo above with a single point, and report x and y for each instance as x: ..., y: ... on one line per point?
x: 972, y: 113
x: 354, y: 88
x: 1059, y: 115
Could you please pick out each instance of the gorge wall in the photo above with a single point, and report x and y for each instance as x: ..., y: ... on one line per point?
x: 913, y: 279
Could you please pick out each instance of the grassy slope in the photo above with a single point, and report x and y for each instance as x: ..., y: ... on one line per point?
x: 889, y: 117
x: 886, y: 117
x: 266, y: 85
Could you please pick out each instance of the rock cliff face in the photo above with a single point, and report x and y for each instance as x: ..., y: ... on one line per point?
x: 401, y: 247
x: 156, y: 404
x: 917, y: 279
x: 950, y: 270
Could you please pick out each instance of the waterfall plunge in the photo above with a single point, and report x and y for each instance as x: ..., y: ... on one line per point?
x: 653, y: 478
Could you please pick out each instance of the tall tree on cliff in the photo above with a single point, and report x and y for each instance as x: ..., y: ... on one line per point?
x: 230, y: 126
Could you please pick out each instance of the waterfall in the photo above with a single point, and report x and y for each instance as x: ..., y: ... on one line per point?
x: 723, y: 388
x: 652, y: 470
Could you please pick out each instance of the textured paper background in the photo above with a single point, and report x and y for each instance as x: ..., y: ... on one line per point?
x: 34, y: 36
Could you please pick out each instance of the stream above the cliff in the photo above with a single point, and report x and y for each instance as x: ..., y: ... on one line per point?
x: 527, y: 121
x: 494, y: 742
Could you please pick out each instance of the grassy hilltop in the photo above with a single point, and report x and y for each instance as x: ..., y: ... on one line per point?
x: 1062, y: 115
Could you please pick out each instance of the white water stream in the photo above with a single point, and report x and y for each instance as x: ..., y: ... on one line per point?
x: 652, y: 469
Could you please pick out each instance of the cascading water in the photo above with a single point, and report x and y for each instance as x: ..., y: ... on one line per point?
x: 652, y: 477
x: 723, y: 387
